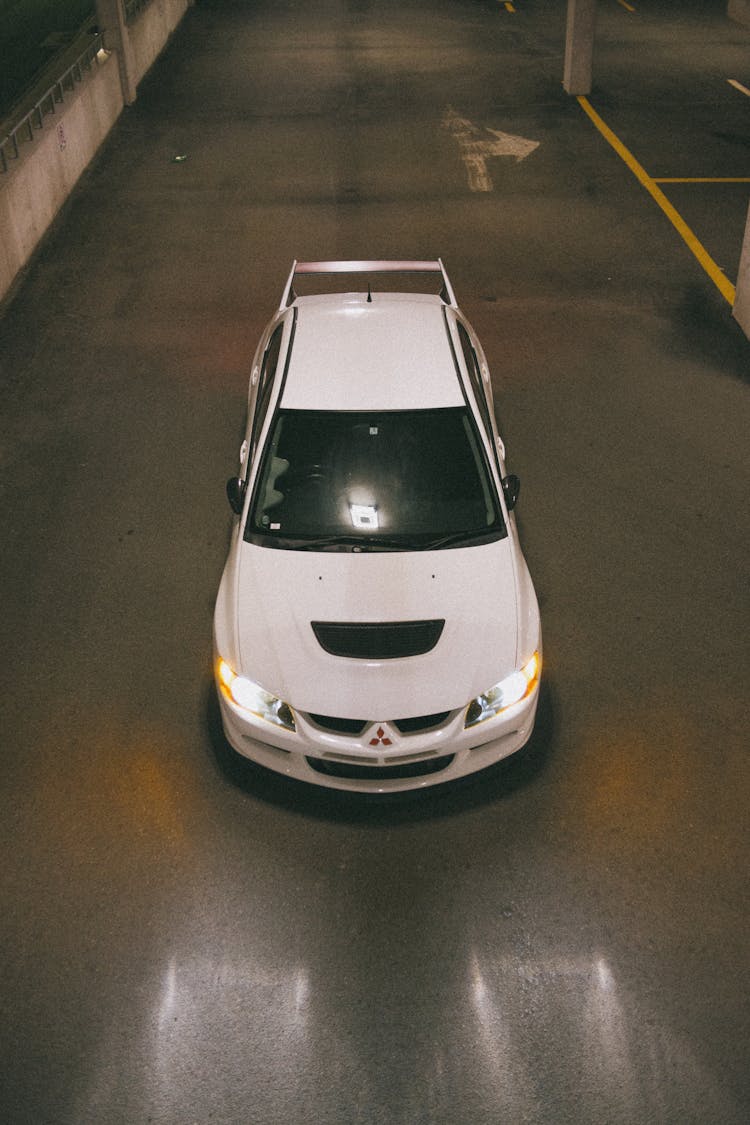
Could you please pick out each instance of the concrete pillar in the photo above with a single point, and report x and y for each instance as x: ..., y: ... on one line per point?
x: 741, y: 309
x: 739, y: 10
x: 579, y: 46
x: 110, y: 15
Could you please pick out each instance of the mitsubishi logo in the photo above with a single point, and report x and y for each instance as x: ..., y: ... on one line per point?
x: 380, y: 738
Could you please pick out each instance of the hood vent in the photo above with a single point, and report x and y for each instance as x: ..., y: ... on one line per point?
x: 376, y: 641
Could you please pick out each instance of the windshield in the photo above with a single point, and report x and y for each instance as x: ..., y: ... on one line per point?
x: 403, y: 480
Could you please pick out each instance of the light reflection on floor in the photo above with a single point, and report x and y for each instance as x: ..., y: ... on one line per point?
x: 529, y: 1033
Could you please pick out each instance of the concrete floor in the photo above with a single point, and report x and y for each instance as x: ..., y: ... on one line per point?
x: 562, y: 939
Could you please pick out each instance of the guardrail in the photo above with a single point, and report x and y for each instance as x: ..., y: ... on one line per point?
x: 24, y: 130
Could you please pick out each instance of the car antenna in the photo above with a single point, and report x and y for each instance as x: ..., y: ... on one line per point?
x: 369, y: 294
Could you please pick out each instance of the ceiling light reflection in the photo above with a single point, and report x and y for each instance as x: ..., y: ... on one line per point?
x: 364, y: 517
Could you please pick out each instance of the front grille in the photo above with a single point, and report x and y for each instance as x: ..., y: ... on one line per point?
x: 421, y: 722
x: 339, y: 726
x: 356, y: 726
x: 379, y: 773
x: 372, y: 640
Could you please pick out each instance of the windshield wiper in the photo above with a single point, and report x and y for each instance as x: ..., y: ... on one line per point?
x: 324, y: 541
x: 371, y: 542
x: 356, y: 542
x: 457, y: 538
x: 366, y: 543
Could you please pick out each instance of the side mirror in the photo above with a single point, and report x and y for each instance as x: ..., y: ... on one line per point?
x: 511, y: 488
x: 236, y: 488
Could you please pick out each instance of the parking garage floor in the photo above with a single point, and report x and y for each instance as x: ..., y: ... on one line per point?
x: 185, y: 938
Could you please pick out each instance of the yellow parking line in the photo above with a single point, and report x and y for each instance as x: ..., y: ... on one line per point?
x: 508, y: 6
x: 721, y: 282
x: 624, y: 4
x: 701, y: 179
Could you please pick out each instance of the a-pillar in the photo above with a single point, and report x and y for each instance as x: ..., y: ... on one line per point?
x: 741, y: 309
x: 111, y: 18
x: 579, y: 46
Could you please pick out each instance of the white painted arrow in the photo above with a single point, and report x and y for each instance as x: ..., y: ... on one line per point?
x: 476, y: 146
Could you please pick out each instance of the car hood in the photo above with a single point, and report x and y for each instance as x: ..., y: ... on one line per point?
x: 281, y: 592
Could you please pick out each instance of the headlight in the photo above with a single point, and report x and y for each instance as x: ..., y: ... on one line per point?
x: 253, y: 698
x: 511, y: 690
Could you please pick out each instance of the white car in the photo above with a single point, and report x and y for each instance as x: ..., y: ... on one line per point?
x: 376, y: 627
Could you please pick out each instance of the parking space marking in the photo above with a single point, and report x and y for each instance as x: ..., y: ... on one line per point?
x: 624, y: 4
x: 701, y: 179
x: 738, y: 86
x: 722, y: 283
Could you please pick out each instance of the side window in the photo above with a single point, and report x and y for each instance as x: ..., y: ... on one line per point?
x: 475, y: 375
x: 265, y: 383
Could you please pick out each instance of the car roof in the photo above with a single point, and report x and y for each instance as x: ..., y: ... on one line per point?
x: 388, y: 353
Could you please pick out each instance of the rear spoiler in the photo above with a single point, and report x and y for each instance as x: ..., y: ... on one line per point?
x: 388, y: 266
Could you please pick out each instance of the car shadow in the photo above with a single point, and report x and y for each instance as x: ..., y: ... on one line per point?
x: 496, y: 783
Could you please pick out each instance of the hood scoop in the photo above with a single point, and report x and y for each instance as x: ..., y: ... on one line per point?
x: 372, y: 640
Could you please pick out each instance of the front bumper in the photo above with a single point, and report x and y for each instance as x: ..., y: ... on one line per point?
x: 380, y: 758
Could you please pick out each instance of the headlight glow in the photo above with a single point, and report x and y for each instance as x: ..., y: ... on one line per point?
x: 252, y: 697
x: 509, y: 691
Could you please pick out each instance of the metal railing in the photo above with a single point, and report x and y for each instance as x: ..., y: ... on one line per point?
x: 24, y: 130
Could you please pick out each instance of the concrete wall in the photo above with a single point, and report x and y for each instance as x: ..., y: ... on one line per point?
x: 38, y: 183
x: 739, y: 10
x: 150, y: 31
x: 741, y: 310
x: 36, y: 186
